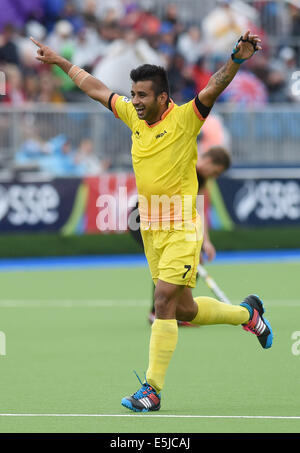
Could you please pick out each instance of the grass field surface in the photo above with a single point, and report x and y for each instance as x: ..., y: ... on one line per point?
x: 74, y: 337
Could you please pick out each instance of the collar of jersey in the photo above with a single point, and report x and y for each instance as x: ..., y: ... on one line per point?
x: 171, y: 106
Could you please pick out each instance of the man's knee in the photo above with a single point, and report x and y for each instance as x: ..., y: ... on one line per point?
x: 186, y: 309
x: 184, y: 313
x: 165, y: 300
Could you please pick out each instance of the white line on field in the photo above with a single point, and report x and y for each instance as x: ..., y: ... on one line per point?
x: 71, y: 303
x: 266, y: 417
x: 56, y: 303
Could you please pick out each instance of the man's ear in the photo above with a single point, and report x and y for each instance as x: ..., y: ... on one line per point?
x: 163, y: 98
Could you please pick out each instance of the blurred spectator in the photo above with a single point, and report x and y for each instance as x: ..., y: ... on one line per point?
x: 190, y: 45
x: 224, y: 24
x: 58, y: 157
x: 87, y: 161
x: 148, y: 24
x: 104, y: 10
x: 181, y: 81
x: 62, y: 40
x: 26, y: 49
x: 261, y: 67
x: 31, y: 152
x: 201, y: 74
x: 109, y: 31
x: 167, y: 45
x: 60, y: 161
x: 171, y: 16
x: 245, y: 90
x: 277, y: 86
x: 61, y: 37
x: 291, y: 73
x: 140, y: 17
x: 8, y: 49
x: 71, y: 14
x: 87, y: 8
x: 14, y: 86
x: 274, y: 17
x: 213, y: 133
x: 279, y: 79
x: 31, y: 87
x: 54, y: 157
x: 295, y: 19
x: 52, y: 10
x: 88, y: 48
x: 121, y: 56
x: 189, y: 90
x: 287, y: 56
x: 275, y: 75
x: 294, y: 9
x: 49, y: 89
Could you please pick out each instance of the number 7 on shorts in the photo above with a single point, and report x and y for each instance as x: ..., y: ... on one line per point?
x: 188, y: 267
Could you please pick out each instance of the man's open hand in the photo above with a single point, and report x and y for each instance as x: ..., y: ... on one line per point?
x: 247, y: 46
x: 45, y: 54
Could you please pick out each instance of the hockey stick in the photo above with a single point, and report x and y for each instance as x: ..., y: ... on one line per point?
x: 212, y: 285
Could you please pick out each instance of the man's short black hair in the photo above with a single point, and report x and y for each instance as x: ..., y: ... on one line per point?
x: 219, y: 156
x: 157, y: 74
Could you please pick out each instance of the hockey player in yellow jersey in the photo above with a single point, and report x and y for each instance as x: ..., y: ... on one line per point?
x: 164, y: 155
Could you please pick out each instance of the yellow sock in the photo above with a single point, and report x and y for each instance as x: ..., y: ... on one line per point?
x: 211, y: 311
x: 163, y: 342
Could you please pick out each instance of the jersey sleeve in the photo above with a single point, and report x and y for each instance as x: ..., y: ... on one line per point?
x: 193, y: 115
x: 123, y: 109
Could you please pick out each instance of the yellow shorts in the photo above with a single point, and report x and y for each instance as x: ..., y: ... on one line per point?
x: 173, y: 255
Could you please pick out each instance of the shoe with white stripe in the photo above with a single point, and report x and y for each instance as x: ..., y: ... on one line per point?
x: 144, y: 400
x: 257, y: 324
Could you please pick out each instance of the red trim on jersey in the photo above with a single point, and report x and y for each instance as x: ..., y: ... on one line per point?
x: 113, y: 105
x: 197, y: 111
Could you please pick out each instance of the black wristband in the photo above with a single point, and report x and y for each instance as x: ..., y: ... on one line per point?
x: 109, y: 101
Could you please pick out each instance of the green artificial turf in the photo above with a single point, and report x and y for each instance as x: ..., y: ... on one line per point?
x: 74, y: 337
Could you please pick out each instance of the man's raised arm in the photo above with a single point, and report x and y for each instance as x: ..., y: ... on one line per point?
x: 93, y: 87
x: 246, y: 46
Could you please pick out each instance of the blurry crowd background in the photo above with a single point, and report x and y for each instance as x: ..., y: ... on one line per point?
x: 109, y: 37
x: 190, y: 38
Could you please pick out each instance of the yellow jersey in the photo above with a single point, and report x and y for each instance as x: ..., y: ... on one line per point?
x: 164, y: 157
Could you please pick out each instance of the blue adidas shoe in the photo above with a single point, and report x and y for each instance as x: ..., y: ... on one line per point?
x: 144, y: 400
x: 257, y: 324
